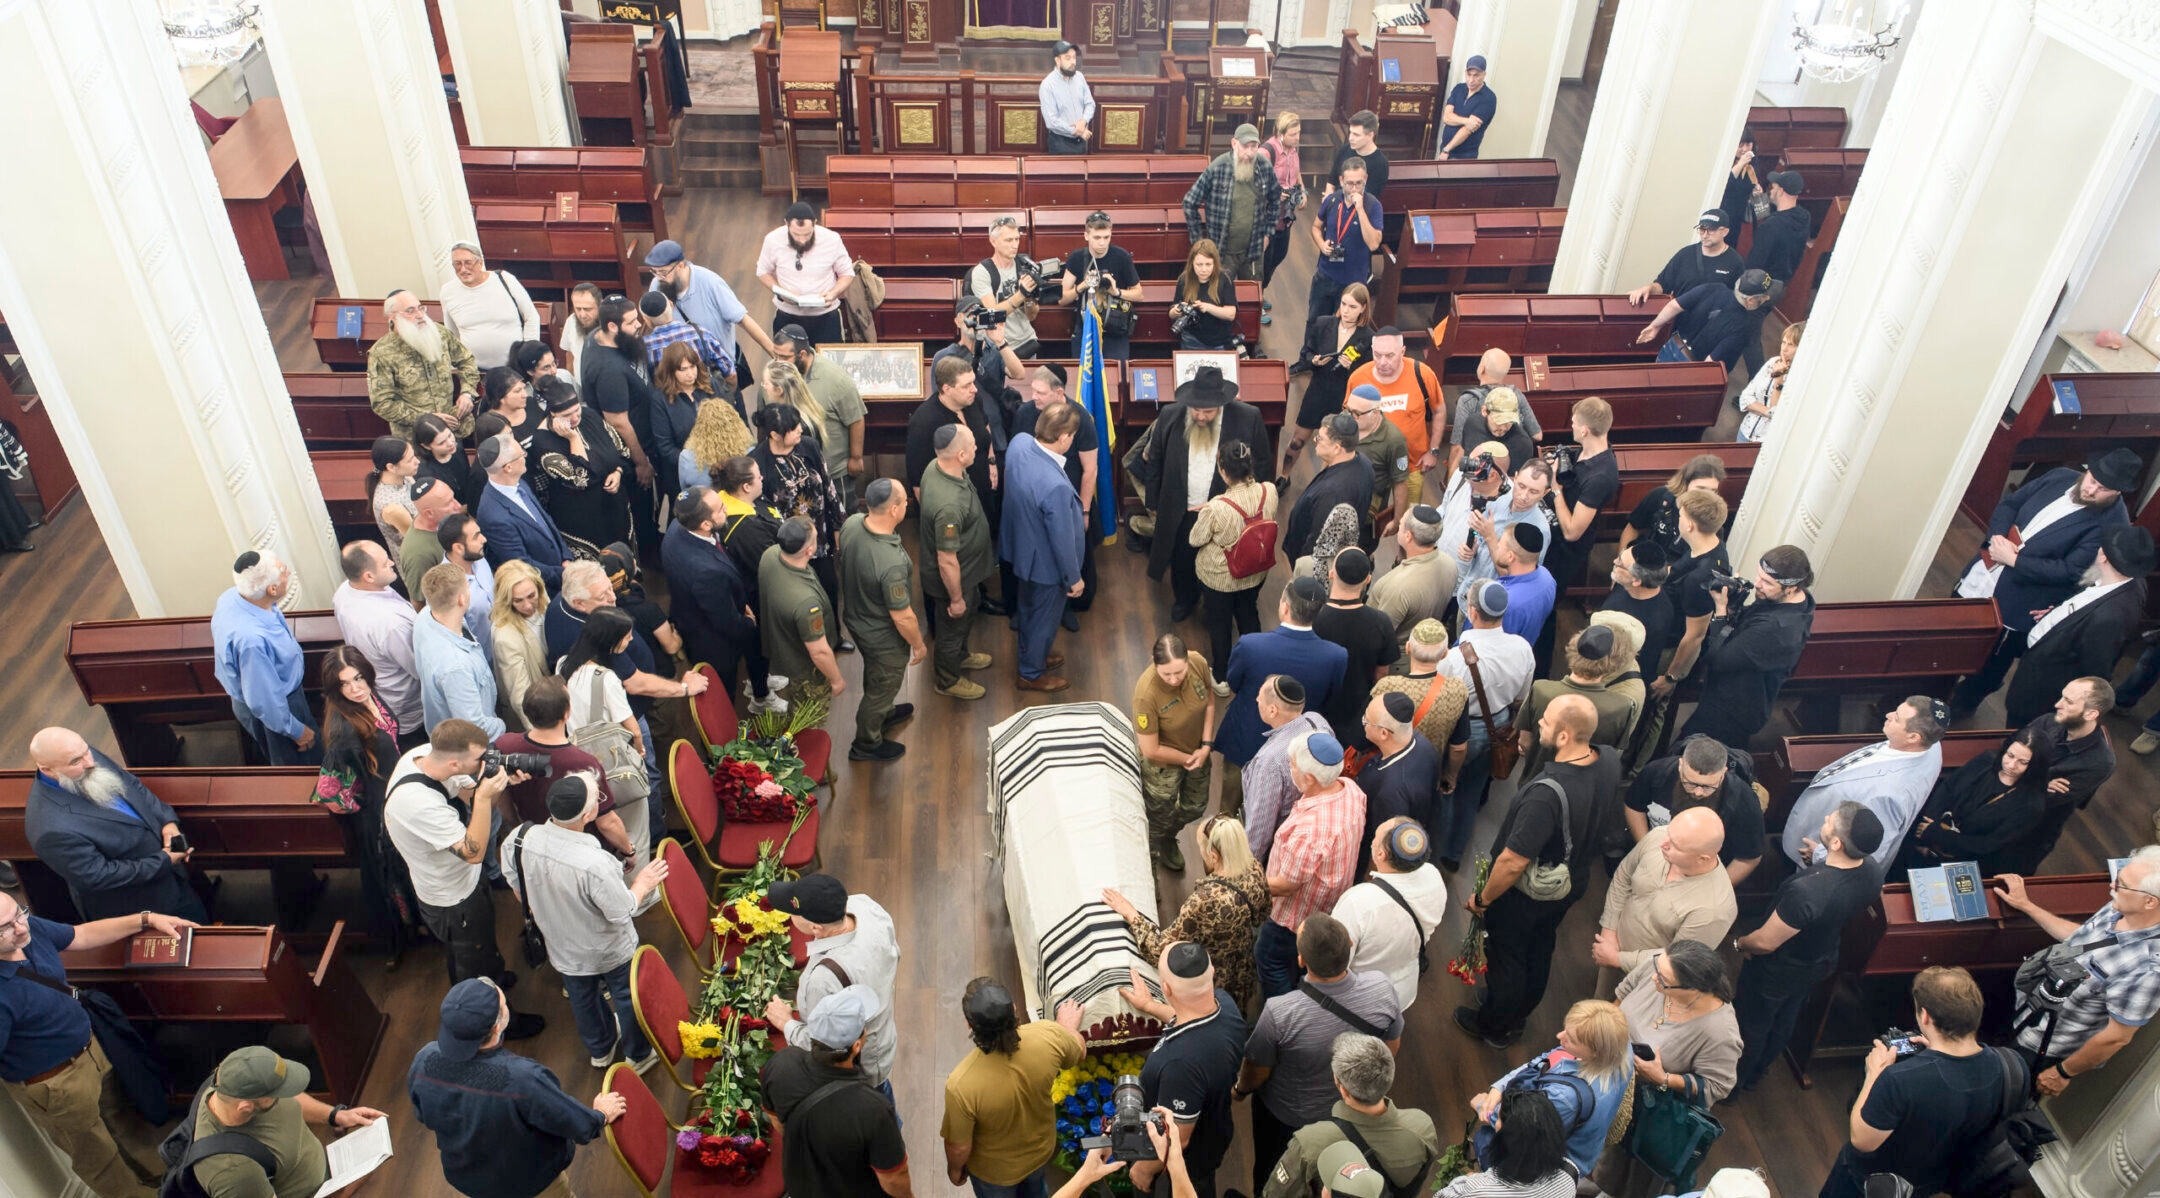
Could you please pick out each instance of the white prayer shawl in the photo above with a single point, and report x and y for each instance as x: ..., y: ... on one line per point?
x: 1067, y: 822
x: 1891, y: 784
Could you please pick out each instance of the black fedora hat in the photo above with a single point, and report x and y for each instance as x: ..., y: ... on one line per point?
x: 2129, y: 549
x: 2117, y: 469
x: 1206, y: 389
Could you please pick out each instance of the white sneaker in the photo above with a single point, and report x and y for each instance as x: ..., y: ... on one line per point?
x: 2145, y: 743
x: 603, y: 1062
x: 646, y: 1062
x: 774, y: 704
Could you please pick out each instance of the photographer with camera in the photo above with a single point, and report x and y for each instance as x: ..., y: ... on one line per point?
x: 1754, y: 639
x: 1474, y: 516
x: 1347, y: 230
x: 1204, y: 315
x: 1009, y: 281
x: 1104, y: 276
x: 1588, y: 478
x: 1194, y: 1064
x: 2078, y: 1013
x: 443, y: 796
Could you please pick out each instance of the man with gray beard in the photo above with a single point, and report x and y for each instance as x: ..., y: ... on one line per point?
x: 104, y: 833
x: 1235, y: 204
x: 420, y: 368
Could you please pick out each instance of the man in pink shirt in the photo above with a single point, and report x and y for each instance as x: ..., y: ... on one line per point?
x: 1314, y: 857
x: 805, y: 266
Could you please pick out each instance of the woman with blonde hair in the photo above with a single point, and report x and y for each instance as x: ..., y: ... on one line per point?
x: 1222, y: 914
x: 1208, y: 298
x: 1758, y: 401
x: 1587, y: 1078
x: 785, y: 385
x: 521, y: 601
x: 718, y: 436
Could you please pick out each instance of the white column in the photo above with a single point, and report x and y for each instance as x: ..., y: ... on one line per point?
x: 124, y: 287
x: 1525, y: 47
x: 372, y: 127
x: 1678, y: 79
x: 2000, y: 148
x: 511, y: 62
x: 2120, y: 1154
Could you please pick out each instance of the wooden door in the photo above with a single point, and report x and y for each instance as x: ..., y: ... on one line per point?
x: 1600, y: 41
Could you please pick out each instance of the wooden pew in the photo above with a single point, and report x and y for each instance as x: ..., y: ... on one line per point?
x: 1780, y: 129
x: 918, y: 310
x: 333, y: 410
x: 920, y: 242
x: 1651, y: 402
x: 1155, y: 235
x: 350, y: 353
x: 251, y: 975
x: 234, y: 819
x: 1828, y: 174
x: 885, y: 424
x: 1441, y: 253
x: 1786, y: 770
x: 1910, y: 646
x: 551, y: 254
x: 619, y: 175
x: 1646, y: 467
x: 2114, y: 409
x: 1799, y: 294
x: 878, y: 182
x: 149, y: 674
x: 1471, y: 183
x: 1151, y: 318
x: 1569, y: 330
x: 1262, y: 382
x: 606, y: 85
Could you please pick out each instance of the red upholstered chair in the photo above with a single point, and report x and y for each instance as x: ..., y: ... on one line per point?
x: 658, y: 997
x: 729, y: 847
x: 643, y: 1138
x: 717, y: 725
x: 692, y: 911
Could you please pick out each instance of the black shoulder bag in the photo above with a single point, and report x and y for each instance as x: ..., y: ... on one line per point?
x: 1357, y: 1022
x: 535, y: 944
x: 1424, y: 962
x: 1408, y: 1189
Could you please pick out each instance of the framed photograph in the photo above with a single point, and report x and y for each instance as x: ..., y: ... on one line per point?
x: 880, y: 370
x: 1186, y: 361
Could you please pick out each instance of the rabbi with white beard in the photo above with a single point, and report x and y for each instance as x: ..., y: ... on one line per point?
x: 420, y: 367
x: 104, y: 833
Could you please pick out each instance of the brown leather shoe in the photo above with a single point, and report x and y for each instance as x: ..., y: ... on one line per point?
x: 1054, y: 661
x: 1048, y: 682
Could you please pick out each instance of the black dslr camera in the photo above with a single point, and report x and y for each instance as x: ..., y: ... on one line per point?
x: 1025, y: 268
x: 1126, y: 1135
x: 1334, y: 252
x: 1731, y: 584
x: 982, y: 319
x: 1182, y: 316
x: 1563, y: 458
x: 537, y: 765
x: 1479, y: 467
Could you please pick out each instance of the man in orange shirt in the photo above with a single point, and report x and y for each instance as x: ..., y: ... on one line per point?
x: 1409, y: 394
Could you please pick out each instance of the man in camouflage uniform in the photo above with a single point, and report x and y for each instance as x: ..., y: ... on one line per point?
x: 420, y: 367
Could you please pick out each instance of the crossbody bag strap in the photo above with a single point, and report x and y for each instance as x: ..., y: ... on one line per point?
x: 834, y: 966
x: 819, y: 1095
x: 1339, y: 1011
x: 1469, y: 656
x: 1432, y: 694
x: 522, y: 312
x: 53, y: 984
x: 1567, y: 833
x: 1244, y: 902
x: 517, y: 864
x: 231, y: 1143
x: 1350, y: 1133
x: 1404, y: 903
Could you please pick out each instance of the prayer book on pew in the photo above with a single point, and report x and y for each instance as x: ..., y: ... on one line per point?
x: 2066, y: 398
x: 1948, y: 892
x: 159, y: 951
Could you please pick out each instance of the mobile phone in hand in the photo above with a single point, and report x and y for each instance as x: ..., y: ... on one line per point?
x: 1643, y: 1051
x: 178, y: 843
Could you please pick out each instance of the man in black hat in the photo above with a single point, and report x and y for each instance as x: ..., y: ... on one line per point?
x: 2085, y: 633
x: 1711, y: 321
x: 2042, y: 538
x: 1709, y: 260
x: 1179, y: 476
x: 806, y: 267
x: 1068, y: 107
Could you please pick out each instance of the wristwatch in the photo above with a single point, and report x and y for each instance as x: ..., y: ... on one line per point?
x: 335, y: 1111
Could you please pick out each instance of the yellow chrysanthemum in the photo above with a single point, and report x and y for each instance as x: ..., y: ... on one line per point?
x: 701, y: 1041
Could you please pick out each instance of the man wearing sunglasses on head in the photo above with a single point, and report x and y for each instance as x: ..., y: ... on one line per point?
x: 1102, y: 274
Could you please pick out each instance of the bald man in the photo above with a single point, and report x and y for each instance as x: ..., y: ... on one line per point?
x: 1669, y: 887
x: 1551, y: 823
x: 104, y: 833
x: 1469, y: 423
x: 433, y: 502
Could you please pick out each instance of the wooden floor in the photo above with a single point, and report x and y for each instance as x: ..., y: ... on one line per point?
x: 914, y: 834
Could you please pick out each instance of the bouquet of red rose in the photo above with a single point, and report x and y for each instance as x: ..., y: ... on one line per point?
x: 736, y: 1158
x: 748, y: 792
x: 1469, y: 963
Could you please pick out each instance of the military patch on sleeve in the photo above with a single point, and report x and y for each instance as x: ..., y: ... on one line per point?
x: 815, y: 619
x: 1402, y: 463
x: 898, y: 595
x: 1142, y: 722
x: 949, y: 535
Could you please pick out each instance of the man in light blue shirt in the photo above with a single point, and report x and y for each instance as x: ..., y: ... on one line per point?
x: 465, y: 546
x: 705, y: 300
x: 456, y: 681
x: 258, y: 662
x: 1068, y: 107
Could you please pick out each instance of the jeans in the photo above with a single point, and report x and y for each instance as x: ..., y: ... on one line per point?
x: 1062, y: 144
x: 597, y: 1023
x: 2142, y: 677
x: 1223, y: 610
x: 1031, y: 1186
x: 1278, y: 248
x: 1767, y: 1003
x: 1519, y: 939
x: 1189, y: 341
x: 1458, y: 811
x: 1673, y: 351
x: 1275, y: 957
x: 658, y: 827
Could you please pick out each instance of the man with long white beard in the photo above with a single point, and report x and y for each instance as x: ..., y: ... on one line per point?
x: 420, y: 368
x: 1235, y: 203
x: 104, y: 833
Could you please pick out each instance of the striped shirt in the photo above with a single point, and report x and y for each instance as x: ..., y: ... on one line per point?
x: 2122, y: 983
x: 1317, y: 847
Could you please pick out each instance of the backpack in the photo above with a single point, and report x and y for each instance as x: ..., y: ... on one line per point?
x: 181, y: 1151
x: 1254, y: 551
x: 1999, y: 1160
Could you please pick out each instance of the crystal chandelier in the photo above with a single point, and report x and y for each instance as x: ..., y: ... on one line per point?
x: 1845, y: 44
x: 210, y: 32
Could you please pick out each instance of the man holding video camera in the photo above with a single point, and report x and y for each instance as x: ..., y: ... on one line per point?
x: 1009, y: 281
x: 442, y: 798
x: 1749, y: 650
x: 1103, y: 275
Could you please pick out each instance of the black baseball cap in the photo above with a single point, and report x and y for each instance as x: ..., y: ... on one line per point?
x: 819, y: 898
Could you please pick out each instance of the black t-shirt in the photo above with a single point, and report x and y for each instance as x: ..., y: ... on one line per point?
x: 1935, y: 1107
x: 1715, y: 324
x: 1691, y: 268
x: 1735, y: 803
x: 1819, y: 901
x: 1531, y: 827
x: 1190, y: 1071
x: 1780, y: 241
x: 1400, y: 785
x: 1657, y: 518
x: 1215, y: 332
x: 1369, y: 635
x: 923, y: 423
x: 1594, y: 483
x: 1688, y: 583
x: 1375, y: 169
x: 839, y: 1146
x: 1114, y: 262
x: 1084, y: 438
x: 1662, y: 627
x: 608, y: 379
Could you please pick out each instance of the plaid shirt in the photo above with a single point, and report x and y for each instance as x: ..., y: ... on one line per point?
x: 1316, y: 847
x: 2122, y: 984
x: 715, y: 355
x: 1212, y: 191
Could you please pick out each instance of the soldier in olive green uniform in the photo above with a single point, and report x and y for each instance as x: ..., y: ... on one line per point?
x: 1389, y: 452
x: 955, y: 558
x: 796, y: 624
x: 877, y: 595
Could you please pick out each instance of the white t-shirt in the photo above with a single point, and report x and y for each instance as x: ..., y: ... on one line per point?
x: 489, y: 317
x: 425, y: 827
x: 614, y: 700
x: 1381, y: 931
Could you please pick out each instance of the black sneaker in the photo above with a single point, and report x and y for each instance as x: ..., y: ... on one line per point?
x: 1180, y: 612
x: 900, y: 714
x: 1466, y: 1018
x: 884, y: 750
x: 524, y: 1026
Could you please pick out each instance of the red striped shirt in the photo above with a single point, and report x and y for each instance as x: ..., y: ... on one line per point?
x: 1316, y: 846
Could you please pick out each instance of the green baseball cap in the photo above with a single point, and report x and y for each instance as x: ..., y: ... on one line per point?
x: 255, y: 1072
x: 1344, y: 1173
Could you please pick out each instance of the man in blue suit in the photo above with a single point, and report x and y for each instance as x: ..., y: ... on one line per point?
x: 510, y: 514
x: 708, y: 599
x: 2041, y: 541
x: 1293, y: 648
x: 104, y: 833
x: 1041, y: 536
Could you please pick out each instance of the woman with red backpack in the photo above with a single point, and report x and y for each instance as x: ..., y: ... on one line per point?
x: 1235, y: 536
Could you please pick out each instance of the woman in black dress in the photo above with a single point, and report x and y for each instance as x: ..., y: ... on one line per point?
x: 441, y: 456
x: 1336, y: 343
x: 582, y: 470
x: 359, y: 752
x: 797, y: 484
x: 1982, y: 809
x: 505, y: 393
